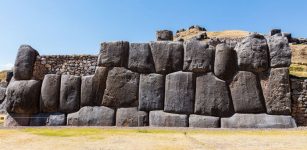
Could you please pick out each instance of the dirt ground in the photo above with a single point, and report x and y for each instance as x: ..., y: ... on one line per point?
x: 97, y: 138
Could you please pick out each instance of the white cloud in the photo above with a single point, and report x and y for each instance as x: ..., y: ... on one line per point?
x: 7, y: 66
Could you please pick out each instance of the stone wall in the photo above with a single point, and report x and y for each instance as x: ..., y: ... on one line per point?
x: 161, y: 83
x: 80, y: 65
x: 299, y: 100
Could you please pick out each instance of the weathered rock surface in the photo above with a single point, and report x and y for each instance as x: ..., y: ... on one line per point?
x: 167, y: 56
x: 92, y: 116
x: 252, y: 53
x: 24, y: 63
x: 198, y: 56
x: 2, y: 94
x: 258, y: 121
x: 70, y: 93
x: 164, y: 35
x: 12, y: 119
x: 275, y: 31
x: 39, y: 119
x: 179, y: 93
x: 212, y: 96
x: 140, y: 58
x: 225, y: 64
x: 88, y: 93
x: 122, y: 88
x: 198, y: 121
x: 99, y: 84
x: 276, y: 90
x: 131, y: 117
x: 246, y: 93
x: 50, y: 93
x: 151, y: 92
x: 114, y: 54
x: 163, y: 119
x: 280, y: 52
x: 23, y: 96
x: 56, y: 119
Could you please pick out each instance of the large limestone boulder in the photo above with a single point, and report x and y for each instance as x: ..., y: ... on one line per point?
x: 131, y: 117
x: 70, y: 93
x: 280, y: 52
x: 198, y: 56
x: 167, y: 56
x: 225, y: 64
x: 23, y: 96
x: 12, y: 120
x: 252, y: 53
x: 179, y: 93
x: 151, y: 92
x: 212, y: 96
x: 199, y: 121
x: 276, y: 89
x: 88, y: 93
x: 99, y: 84
x: 122, y: 88
x: 24, y: 63
x: 140, y: 58
x: 258, y: 121
x: 246, y: 93
x: 114, y: 54
x: 163, y: 119
x: 50, y: 93
x: 92, y: 116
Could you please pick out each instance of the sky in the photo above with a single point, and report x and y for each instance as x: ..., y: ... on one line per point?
x: 79, y: 26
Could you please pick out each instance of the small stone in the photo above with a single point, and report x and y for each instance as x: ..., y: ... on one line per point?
x: 163, y: 119
x: 198, y: 121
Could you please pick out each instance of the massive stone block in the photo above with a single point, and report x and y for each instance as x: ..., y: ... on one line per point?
x: 2, y: 94
x: 276, y: 90
x: 198, y: 121
x: 258, y: 121
x: 164, y: 35
x: 122, y: 88
x: 225, y: 64
x: 212, y: 96
x: 56, y: 119
x: 92, y: 116
x: 88, y: 93
x: 179, y: 93
x: 114, y: 54
x: 280, y: 52
x: 12, y: 120
x: 198, y: 56
x: 23, y: 96
x: 252, y: 53
x: 163, y: 119
x: 39, y: 119
x: 70, y: 93
x: 131, y: 117
x: 50, y: 93
x: 167, y: 56
x: 246, y: 93
x: 140, y: 58
x: 99, y: 84
x: 24, y: 63
x: 151, y: 92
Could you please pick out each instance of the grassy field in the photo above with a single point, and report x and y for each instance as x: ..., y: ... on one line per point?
x: 152, y: 139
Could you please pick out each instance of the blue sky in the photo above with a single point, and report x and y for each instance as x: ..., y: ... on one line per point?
x: 79, y: 26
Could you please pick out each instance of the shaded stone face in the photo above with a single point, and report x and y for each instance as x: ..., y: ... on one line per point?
x: 198, y: 121
x: 179, y: 93
x: 212, y: 96
x: 114, y: 54
x: 99, y: 84
x: 252, y: 54
x: 23, y: 96
x: 92, y: 116
x: 24, y: 63
x: 70, y: 93
x: 131, y: 117
x: 198, y: 56
x: 121, y: 89
x: 50, y: 93
x: 87, y: 91
x: 258, y: 121
x: 163, y: 119
x: 276, y: 90
x: 167, y: 56
x: 246, y: 94
x: 140, y: 58
x: 225, y: 64
x: 279, y: 50
x: 164, y: 35
x: 12, y: 120
x: 151, y: 92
